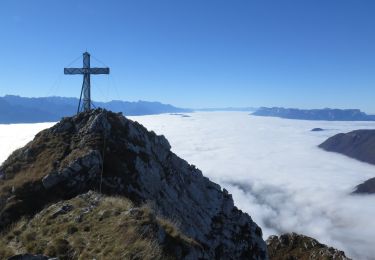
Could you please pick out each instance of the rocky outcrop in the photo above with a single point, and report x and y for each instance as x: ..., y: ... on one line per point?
x: 104, y: 151
x: 358, y: 144
x: 315, y: 114
x: 293, y: 246
x: 317, y: 129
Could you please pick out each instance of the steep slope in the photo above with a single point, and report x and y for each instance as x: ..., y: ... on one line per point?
x: 101, y: 150
x: 293, y: 246
x: 358, y: 144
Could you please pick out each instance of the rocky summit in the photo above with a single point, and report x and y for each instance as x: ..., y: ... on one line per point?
x: 292, y: 246
x: 99, y: 170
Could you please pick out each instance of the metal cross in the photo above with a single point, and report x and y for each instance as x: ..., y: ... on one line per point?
x: 86, y: 70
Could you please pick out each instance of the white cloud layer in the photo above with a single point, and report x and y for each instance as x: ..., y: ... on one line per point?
x: 14, y: 136
x: 278, y: 175
x: 272, y: 167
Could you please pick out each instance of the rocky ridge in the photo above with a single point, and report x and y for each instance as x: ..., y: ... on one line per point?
x: 293, y: 246
x: 104, y: 151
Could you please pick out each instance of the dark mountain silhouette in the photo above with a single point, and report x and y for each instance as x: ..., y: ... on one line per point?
x: 317, y: 129
x: 366, y: 187
x: 16, y: 109
x: 358, y: 144
x: 250, y: 109
x: 315, y: 114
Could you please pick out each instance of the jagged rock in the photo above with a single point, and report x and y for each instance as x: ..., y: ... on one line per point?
x: 101, y: 150
x: 317, y: 129
x: 62, y: 210
x: 293, y: 246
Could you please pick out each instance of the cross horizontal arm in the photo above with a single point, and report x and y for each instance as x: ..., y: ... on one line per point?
x: 99, y: 70
x: 73, y: 71
x: 86, y: 70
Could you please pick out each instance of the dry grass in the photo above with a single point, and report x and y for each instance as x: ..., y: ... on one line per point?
x: 112, y: 229
x: 172, y: 230
x: 45, y: 154
x: 34, y: 161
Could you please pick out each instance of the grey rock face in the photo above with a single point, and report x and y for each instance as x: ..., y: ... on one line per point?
x: 101, y: 150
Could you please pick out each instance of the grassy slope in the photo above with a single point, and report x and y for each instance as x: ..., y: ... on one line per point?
x: 95, y: 226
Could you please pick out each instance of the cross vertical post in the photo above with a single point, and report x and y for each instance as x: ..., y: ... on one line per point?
x: 86, y: 71
x: 86, y: 82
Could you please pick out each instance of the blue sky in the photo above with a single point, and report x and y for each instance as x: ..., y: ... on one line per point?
x: 196, y: 53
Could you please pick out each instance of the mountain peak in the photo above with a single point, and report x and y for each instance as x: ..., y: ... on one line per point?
x: 104, y: 151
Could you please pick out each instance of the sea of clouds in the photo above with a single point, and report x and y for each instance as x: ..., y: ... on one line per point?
x: 273, y: 168
x: 14, y: 136
x: 278, y: 175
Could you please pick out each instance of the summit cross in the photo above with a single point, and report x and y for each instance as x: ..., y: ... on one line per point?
x: 86, y: 71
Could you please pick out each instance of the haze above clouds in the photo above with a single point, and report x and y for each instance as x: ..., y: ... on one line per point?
x: 272, y: 167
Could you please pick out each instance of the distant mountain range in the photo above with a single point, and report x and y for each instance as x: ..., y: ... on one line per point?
x: 315, y: 114
x: 16, y: 109
x: 249, y: 109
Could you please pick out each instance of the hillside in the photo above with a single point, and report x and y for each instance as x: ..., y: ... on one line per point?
x: 16, y: 109
x: 86, y: 226
x: 101, y: 150
x: 358, y: 144
x: 315, y: 114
